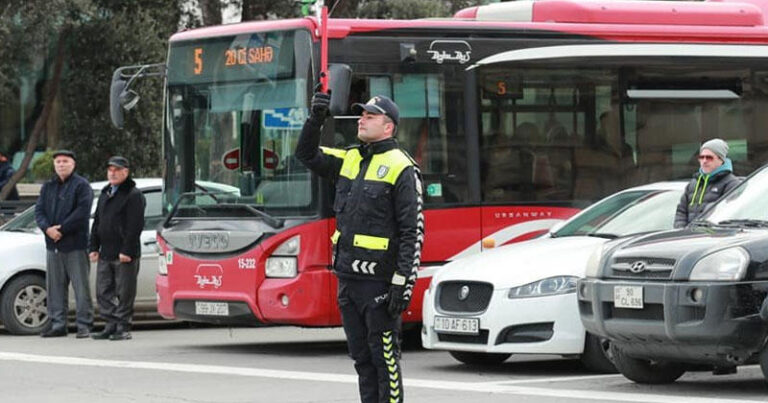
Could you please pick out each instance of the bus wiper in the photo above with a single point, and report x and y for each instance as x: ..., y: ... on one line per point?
x: 603, y: 235
x: 746, y: 222
x: 268, y: 219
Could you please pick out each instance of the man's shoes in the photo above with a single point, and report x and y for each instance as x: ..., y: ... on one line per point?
x: 83, y: 333
x: 54, y: 333
x: 104, y: 334
x: 120, y: 335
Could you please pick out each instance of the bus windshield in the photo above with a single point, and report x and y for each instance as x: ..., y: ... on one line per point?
x: 234, y: 109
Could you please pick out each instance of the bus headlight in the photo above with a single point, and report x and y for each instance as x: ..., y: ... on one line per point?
x: 725, y: 265
x: 162, y: 265
x: 281, y: 267
x: 545, y: 287
x: 284, y: 263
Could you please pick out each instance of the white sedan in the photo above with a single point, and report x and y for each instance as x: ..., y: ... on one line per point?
x: 520, y: 298
x: 22, y: 262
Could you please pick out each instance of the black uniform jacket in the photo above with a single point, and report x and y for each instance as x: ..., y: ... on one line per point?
x: 378, y: 206
x: 118, y: 222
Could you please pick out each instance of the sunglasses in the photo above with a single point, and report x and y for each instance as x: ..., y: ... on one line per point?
x: 706, y: 157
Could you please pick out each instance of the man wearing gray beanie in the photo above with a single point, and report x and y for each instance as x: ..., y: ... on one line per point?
x: 713, y: 179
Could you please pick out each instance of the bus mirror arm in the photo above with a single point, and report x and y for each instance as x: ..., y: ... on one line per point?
x: 340, y: 81
x: 120, y: 93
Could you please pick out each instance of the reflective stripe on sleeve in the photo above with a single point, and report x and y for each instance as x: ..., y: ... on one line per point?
x: 335, y: 237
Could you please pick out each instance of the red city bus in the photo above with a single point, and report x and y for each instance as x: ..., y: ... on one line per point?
x: 519, y: 114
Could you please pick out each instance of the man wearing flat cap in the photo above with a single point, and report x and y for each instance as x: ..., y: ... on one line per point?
x: 62, y: 212
x: 713, y: 179
x: 378, y: 237
x: 115, y: 245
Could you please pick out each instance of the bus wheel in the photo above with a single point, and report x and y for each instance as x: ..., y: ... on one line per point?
x: 479, y: 358
x: 646, y: 371
x: 597, y: 355
x: 23, y: 308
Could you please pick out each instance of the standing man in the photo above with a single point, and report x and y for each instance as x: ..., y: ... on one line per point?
x: 62, y: 212
x: 115, y: 245
x: 713, y: 179
x: 6, y: 171
x: 378, y: 237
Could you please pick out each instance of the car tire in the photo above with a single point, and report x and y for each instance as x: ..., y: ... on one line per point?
x: 471, y: 358
x: 646, y: 371
x: 764, y: 362
x: 597, y: 356
x: 23, y: 308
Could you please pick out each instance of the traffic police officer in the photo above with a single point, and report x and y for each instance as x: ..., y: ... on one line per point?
x: 378, y: 237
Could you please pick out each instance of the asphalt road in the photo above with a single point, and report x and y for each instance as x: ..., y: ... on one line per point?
x: 288, y: 364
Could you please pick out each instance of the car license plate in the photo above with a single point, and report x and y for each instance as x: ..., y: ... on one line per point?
x: 457, y: 325
x: 628, y: 297
x: 212, y: 308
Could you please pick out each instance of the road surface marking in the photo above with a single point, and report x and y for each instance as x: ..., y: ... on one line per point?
x: 480, y: 387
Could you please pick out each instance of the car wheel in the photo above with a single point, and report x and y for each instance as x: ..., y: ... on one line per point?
x: 479, y: 358
x: 23, y: 308
x: 597, y: 355
x: 764, y: 362
x: 646, y: 371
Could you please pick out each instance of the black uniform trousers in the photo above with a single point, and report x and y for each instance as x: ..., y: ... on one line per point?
x: 116, y: 292
x: 373, y: 339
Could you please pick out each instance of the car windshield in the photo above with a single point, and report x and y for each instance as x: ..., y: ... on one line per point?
x: 625, y: 213
x: 24, y: 222
x: 745, y: 205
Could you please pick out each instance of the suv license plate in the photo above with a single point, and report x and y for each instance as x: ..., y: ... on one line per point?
x: 212, y: 308
x: 628, y: 297
x: 457, y: 325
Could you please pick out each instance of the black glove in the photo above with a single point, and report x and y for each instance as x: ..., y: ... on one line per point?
x: 398, y: 301
x: 320, y: 106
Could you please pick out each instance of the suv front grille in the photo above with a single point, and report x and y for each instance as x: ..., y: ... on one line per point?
x: 476, y: 296
x: 642, y: 267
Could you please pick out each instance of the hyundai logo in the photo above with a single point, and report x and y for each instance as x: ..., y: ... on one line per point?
x: 463, y: 293
x: 637, y: 267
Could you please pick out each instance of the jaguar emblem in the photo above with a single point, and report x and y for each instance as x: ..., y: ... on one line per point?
x: 463, y: 293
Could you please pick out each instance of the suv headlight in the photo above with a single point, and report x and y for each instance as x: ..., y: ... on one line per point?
x: 547, y: 286
x: 593, y: 262
x: 725, y: 265
x: 283, y: 262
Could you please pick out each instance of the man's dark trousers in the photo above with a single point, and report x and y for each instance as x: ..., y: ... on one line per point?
x: 63, y: 268
x: 116, y: 291
x: 372, y: 339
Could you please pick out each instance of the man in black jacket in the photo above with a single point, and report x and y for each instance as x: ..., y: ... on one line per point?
x: 62, y: 211
x: 115, y: 244
x: 378, y: 237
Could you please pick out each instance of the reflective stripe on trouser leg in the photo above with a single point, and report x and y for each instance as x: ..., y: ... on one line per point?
x: 390, y: 352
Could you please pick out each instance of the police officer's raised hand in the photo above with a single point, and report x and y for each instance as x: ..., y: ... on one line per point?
x: 321, y: 103
x: 398, y: 300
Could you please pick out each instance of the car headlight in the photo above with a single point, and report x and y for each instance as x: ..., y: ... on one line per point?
x: 283, y: 262
x: 725, y: 265
x: 593, y: 262
x: 547, y: 286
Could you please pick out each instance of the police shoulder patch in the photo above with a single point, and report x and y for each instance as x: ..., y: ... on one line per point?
x: 382, y: 171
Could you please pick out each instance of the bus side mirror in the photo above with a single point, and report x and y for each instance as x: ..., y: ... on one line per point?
x: 117, y: 88
x: 340, y: 76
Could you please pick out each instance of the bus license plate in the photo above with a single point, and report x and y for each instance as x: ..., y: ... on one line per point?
x: 628, y: 297
x: 457, y: 325
x: 212, y: 308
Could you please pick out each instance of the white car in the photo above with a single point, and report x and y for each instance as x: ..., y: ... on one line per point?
x: 520, y: 298
x: 22, y: 262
